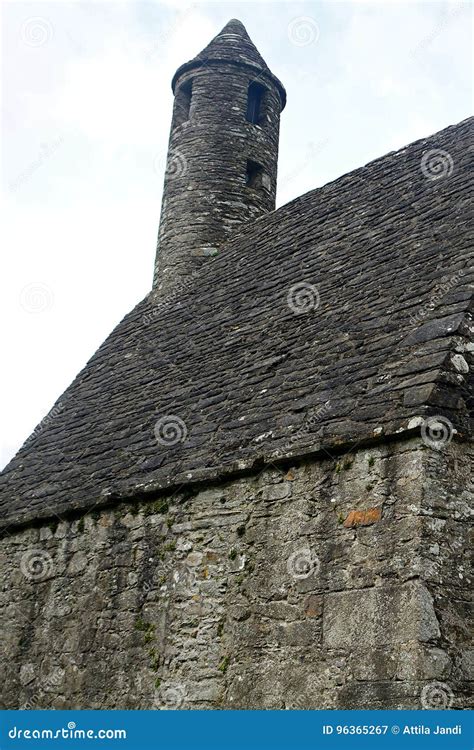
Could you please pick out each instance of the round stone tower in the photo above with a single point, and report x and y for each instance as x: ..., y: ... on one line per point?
x: 222, y: 155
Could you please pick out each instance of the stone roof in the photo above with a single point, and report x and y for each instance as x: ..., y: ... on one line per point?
x: 339, y: 318
x: 232, y: 45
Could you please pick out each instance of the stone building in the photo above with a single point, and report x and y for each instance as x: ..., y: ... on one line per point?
x: 256, y: 493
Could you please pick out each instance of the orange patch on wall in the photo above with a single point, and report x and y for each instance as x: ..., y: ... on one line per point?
x: 362, y: 517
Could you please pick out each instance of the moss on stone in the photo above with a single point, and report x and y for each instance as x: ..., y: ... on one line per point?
x: 223, y: 666
x: 155, y: 508
x: 147, y: 628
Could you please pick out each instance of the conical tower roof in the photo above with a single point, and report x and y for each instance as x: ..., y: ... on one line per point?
x: 232, y: 45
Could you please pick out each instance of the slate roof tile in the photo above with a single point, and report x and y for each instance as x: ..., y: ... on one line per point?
x: 247, y: 379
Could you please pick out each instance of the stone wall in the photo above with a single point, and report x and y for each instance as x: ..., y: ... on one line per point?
x: 329, y: 584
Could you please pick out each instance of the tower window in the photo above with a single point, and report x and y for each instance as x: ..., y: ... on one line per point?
x: 183, y: 102
x: 254, y: 102
x: 253, y: 177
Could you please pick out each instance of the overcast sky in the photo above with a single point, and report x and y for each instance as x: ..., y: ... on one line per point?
x: 86, y: 107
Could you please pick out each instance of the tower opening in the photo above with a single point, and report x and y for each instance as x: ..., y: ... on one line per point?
x: 183, y: 102
x: 253, y: 177
x: 255, y: 97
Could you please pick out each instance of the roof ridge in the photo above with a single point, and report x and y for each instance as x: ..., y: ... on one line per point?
x: 418, y: 142
x: 247, y: 226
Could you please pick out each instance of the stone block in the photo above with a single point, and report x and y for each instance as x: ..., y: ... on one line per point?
x: 378, y: 616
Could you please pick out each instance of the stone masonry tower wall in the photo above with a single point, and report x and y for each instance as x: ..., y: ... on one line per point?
x: 222, y: 156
